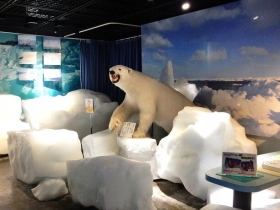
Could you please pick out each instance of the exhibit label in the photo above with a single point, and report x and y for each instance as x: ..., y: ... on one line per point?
x: 242, y: 164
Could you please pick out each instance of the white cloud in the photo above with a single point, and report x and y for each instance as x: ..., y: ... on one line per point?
x: 164, y: 25
x: 253, y: 50
x: 211, y: 55
x: 199, y: 55
x: 217, y: 13
x: 155, y: 41
x: 275, y: 56
x: 157, y: 56
x: 265, y: 88
x: 256, y: 105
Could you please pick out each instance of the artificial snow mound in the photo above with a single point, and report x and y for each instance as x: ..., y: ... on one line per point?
x: 141, y: 149
x: 49, y: 189
x: 195, y: 145
x: 10, y: 113
x: 100, y: 144
x: 68, y: 112
x: 36, y: 155
x: 110, y: 182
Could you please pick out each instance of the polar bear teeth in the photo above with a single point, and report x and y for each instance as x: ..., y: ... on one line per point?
x: 115, y: 78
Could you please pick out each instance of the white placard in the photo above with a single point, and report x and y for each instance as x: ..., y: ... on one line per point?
x: 27, y: 57
x: 27, y: 40
x: 52, y: 74
x: 51, y: 42
x: 242, y: 164
x: 127, y: 129
x: 25, y: 74
x: 52, y: 59
x: 89, y: 105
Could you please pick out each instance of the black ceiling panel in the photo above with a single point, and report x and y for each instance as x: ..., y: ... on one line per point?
x: 91, y: 19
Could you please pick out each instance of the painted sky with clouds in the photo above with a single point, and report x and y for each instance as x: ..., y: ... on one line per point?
x: 220, y: 42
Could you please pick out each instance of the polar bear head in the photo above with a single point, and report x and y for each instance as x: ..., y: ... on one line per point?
x: 119, y: 74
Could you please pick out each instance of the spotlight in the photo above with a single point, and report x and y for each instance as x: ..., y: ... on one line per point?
x: 185, y: 5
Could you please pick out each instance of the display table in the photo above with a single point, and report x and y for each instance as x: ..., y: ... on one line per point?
x: 243, y: 190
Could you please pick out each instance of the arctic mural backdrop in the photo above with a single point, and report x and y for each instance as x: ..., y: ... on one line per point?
x: 230, y: 54
x: 15, y: 74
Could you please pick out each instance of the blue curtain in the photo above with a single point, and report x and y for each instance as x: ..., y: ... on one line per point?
x: 98, y: 56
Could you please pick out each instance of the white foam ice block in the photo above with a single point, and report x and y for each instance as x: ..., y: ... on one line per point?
x: 49, y: 189
x: 36, y: 155
x: 195, y: 145
x: 110, y: 182
x: 100, y: 144
x: 141, y: 149
x: 67, y: 112
x: 7, y: 125
x: 10, y: 114
x: 10, y: 107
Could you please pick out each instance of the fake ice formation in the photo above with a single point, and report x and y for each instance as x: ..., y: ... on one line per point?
x: 100, y: 144
x: 118, y: 183
x: 49, y: 189
x: 10, y: 113
x: 106, y: 143
x: 195, y: 145
x: 181, y: 85
x: 68, y: 112
x: 36, y: 155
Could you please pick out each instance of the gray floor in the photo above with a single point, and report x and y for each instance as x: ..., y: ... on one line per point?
x: 16, y: 195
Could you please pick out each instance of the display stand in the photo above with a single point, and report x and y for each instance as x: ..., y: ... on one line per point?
x: 242, y: 190
x: 90, y: 110
x: 90, y: 122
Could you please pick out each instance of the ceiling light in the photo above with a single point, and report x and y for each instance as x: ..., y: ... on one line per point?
x: 31, y: 20
x: 255, y: 18
x: 55, y: 30
x: 185, y: 5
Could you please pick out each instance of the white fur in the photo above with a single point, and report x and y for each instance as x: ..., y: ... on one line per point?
x: 152, y: 100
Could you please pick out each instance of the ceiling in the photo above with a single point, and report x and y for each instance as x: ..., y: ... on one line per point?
x: 106, y: 19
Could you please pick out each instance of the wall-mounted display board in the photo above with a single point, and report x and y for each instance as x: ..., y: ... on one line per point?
x: 27, y: 41
x: 52, y: 59
x: 27, y: 74
x: 27, y: 57
x: 20, y: 83
x: 51, y: 43
x: 52, y: 74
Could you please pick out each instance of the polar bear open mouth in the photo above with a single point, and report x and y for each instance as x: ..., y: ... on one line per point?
x: 115, y: 78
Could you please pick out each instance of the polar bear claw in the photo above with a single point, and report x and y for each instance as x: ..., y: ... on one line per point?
x: 114, y: 126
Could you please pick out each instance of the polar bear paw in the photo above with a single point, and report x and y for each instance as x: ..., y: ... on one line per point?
x: 115, y: 126
x: 139, y: 134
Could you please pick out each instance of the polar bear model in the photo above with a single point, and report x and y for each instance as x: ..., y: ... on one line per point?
x: 152, y: 100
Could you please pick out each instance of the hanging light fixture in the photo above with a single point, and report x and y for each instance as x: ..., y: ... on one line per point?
x: 31, y: 20
x: 55, y: 30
